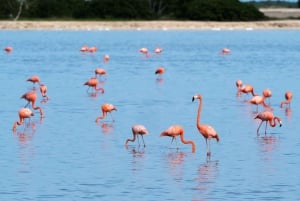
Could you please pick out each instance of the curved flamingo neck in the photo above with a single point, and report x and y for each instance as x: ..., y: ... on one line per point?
x: 199, y: 113
x: 131, y: 140
x: 272, y: 122
x: 188, y: 142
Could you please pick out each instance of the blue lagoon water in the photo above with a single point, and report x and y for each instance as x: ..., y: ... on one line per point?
x: 67, y: 156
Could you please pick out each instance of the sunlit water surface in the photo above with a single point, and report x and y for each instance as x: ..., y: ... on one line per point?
x: 67, y: 156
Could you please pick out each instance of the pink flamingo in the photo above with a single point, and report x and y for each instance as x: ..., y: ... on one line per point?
x: 257, y: 100
x: 23, y: 114
x: 144, y: 51
x: 105, y: 58
x: 8, y: 49
x: 136, y: 131
x: 34, y: 79
x: 207, y: 131
x: 160, y: 70
x: 43, y: 90
x: 267, y: 94
x: 225, y: 51
x: 288, y: 97
x: 93, y: 82
x: 31, y: 98
x: 176, y: 130
x: 84, y: 48
x: 267, y: 116
x: 106, y: 108
x: 244, y: 88
x: 158, y: 50
x: 100, y: 71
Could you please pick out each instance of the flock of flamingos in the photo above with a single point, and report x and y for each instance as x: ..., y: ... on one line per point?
x: 207, y: 131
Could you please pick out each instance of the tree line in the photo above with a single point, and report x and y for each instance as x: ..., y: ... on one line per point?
x: 214, y: 10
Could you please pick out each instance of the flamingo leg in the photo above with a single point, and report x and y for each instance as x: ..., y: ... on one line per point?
x: 137, y: 136
x: 266, y: 127
x: 143, y: 141
x: 257, y: 131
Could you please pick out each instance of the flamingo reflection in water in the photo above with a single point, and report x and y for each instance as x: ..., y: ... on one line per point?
x: 207, y: 174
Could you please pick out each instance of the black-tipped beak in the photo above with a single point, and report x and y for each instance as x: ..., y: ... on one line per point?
x: 193, y: 99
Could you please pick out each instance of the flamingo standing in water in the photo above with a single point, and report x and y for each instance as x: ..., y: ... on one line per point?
x: 267, y: 94
x: 225, y: 51
x: 267, y: 116
x: 23, y: 114
x: 43, y: 90
x: 34, y: 79
x: 93, y: 82
x: 100, y: 71
x: 288, y: 97
x: 31, y: 98
x: 160, y: 71
x: 207, y: 131
x: 257, y: 100
x: 136, y: 131
x: 8, y: 49
x: 144, y: 51
x: 105, y: 58
x: 158, y: 50
x: 106, y: 108
x: 176, y: 130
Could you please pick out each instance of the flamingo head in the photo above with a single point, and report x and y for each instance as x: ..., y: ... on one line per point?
x: 197, y: 96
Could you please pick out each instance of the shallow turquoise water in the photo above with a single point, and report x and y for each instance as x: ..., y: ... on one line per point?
x: 67, y: 156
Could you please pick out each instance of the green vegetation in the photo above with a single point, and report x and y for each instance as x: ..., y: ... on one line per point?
x: 215, y: 10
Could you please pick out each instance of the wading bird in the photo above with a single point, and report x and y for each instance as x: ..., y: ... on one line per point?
x: 106, y: 108
x: 207, y: 131
x: 174, y: 131
x: 31, y: 98
x: 288, y: 97
x: 23, y: 114
x: 136, y: 131
x: 93, y: 82
x: 267, y: 116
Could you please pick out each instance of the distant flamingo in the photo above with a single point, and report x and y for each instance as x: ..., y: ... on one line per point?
x: 267, y: 94
x: 31, y: 98
x: 43, y: 90
x: 105, y: 58
x: 144, y: 51
x: 207, y: 131
x: 245, y: 88
x: 93, y: 82
x: 267, y: 116
x: 176, y: 130
x: 136, y: 131
x: 92, y: 49
x: 288, y: 97
x: 160, y: 70
x: 100, y: 71
x: 8, y: 49
x: 106, y: 108
x: 158, y: 50
x: 34, y: 79
x: 257, y: 100
x: 225, y: 51
x: 84, y: 48
x: 23, y: 114
x: 239, y: 84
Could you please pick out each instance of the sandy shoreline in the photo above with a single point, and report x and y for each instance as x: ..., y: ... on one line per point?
x: 147, y: 25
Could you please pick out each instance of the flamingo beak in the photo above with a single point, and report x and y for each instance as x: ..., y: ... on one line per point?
x: 193, y: 99
x: 280, y: 123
